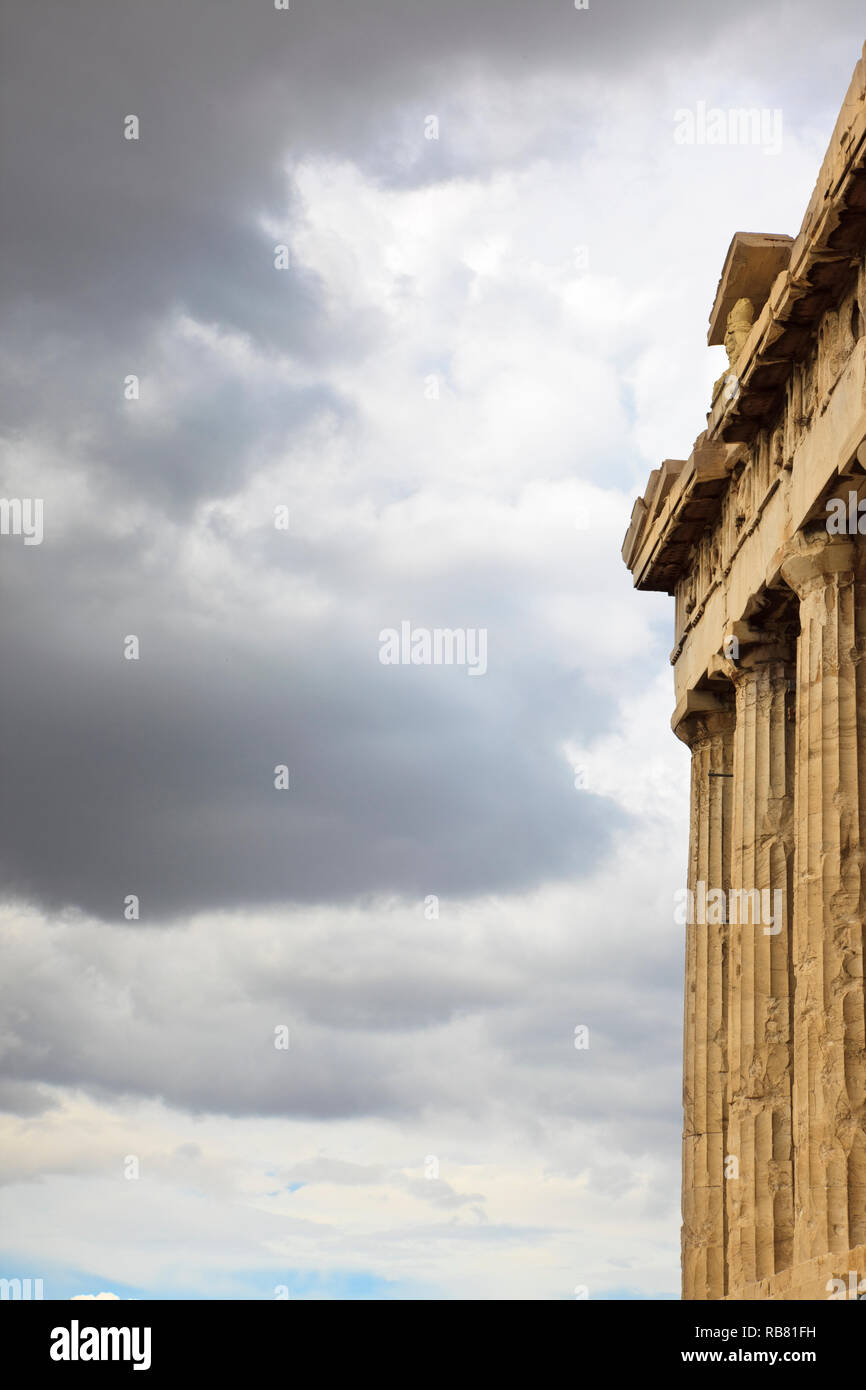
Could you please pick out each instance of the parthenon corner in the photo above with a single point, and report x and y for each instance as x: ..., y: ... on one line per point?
x: 760, y: 536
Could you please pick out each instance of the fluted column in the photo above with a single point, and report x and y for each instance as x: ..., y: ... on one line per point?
x: 759, y: 1190
x: 709, y: 734
x: 829, y: 575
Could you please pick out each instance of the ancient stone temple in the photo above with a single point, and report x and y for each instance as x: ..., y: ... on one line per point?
x: 760, y: 536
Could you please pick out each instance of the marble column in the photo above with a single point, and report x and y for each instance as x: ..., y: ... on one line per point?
x: 759, y: 1182
x: 828, y: 573
x: 709, y: 734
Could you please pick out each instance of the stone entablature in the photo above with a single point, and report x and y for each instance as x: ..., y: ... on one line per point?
x: 769, y: 665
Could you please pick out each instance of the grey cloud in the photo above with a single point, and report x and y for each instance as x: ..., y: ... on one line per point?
x: 156, y: 777
x: 21, y: 1098
x: 226, y: 92
x: 133, y: 1014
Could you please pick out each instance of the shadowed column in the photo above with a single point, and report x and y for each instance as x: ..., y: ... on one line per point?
x: 759, y: 1196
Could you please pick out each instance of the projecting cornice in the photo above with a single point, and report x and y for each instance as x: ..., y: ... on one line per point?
x: 682, y: 496
x: 752, y: 265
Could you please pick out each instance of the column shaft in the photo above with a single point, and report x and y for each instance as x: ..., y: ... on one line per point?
x: 704, y: 1049
x: 829, y: 574
x: 759, y: 1191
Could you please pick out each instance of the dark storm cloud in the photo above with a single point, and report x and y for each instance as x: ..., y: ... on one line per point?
x: 156, y: 777
x: 228, y: 93
x: 162, y: 784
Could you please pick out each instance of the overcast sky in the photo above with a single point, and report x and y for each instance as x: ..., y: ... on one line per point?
x: 481, y: 345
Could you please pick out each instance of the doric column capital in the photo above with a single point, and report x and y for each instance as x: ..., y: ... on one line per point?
x: 809, y: 560
x: 767, y: 639
x: 763, y: 653
x: 701, y: 716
